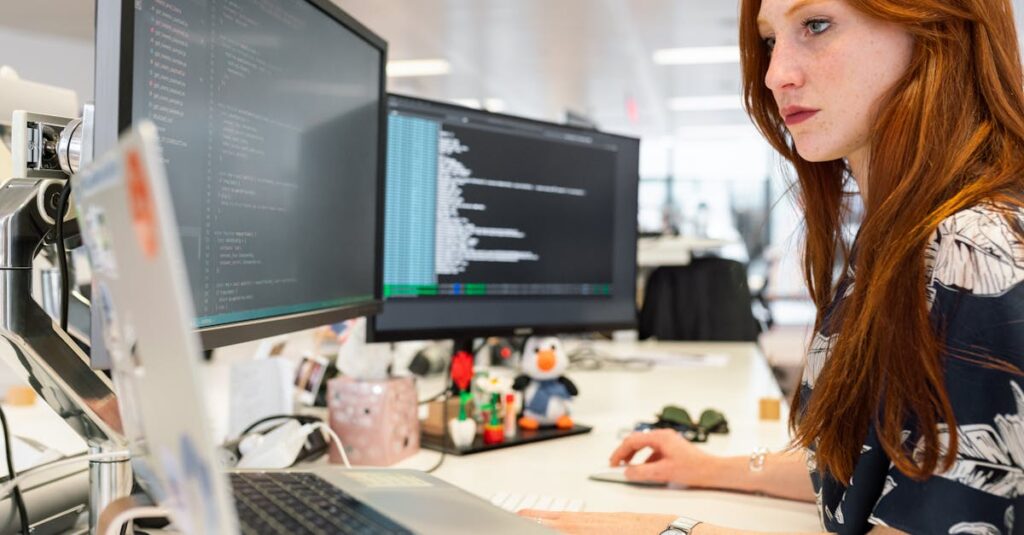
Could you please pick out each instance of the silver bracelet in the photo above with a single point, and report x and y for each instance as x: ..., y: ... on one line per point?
x: 757, y: 458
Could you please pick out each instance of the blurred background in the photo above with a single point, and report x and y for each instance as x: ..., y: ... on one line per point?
x: 666, y: 71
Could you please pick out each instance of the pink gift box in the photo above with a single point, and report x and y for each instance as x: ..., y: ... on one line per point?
x: 376, y: 420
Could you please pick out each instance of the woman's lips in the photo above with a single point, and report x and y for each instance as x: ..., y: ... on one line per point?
x: 797, y: 116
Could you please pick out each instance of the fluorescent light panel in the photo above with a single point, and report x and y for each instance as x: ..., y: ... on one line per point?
x: 705, y: 103
x: 697, y: 55
x: 496, y: 105
x: 467, y: 102
x: 418, y: 67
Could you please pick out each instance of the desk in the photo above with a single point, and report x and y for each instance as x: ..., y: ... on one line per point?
x: 611, y: 401
x: 673, y: 250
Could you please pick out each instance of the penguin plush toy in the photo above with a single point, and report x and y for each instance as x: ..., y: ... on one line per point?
x: 547, y: 394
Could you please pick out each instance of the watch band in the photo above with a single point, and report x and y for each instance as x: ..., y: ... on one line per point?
x: 681, y: 526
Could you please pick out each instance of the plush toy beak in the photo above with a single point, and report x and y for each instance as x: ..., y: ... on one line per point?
x: 546, y: 360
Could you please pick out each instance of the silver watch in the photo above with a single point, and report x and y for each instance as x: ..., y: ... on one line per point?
x: 681, y: 526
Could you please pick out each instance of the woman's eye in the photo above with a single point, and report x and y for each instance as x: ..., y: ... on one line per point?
x: 770, y: 43
x: 817, y: 26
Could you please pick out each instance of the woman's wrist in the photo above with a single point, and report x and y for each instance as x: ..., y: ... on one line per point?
x: 727, y: 473
x: 711, y: 473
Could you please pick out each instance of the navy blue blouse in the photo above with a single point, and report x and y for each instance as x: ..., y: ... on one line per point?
x: 975, y: 265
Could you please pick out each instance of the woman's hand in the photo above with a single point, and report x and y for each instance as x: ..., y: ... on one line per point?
x: 674, y: 459
x: 600, y: 523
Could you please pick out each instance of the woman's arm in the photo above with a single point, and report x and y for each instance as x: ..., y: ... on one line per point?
x: 641, y: 524
x: 784, y: 475
x: 675, y: 460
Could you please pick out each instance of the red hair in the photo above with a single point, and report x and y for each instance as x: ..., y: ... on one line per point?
x: 948, y: 135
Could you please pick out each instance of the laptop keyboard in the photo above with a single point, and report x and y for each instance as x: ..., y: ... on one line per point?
x: 297, y: 502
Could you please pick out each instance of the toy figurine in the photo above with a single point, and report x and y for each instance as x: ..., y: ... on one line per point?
x: 462, y: 429
x: 493, y: 388
x: 547, y: 394
x: 462, y: 372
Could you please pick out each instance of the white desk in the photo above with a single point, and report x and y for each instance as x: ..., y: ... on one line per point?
x: 673, y: 250
x: 612, y: 401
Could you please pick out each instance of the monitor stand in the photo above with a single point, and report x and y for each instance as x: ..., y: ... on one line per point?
x: 46, y: 357
x: 461, y: 373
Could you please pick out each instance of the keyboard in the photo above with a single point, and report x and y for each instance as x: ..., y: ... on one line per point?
x: 297, y: 502
x: 515, y: 502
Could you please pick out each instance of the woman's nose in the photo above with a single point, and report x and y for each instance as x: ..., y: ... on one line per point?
x: 784, y: 69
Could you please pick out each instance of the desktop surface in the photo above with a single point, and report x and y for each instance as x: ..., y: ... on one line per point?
x: 612, y: 401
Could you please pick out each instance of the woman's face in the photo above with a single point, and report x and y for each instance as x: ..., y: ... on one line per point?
x: 830, y: 65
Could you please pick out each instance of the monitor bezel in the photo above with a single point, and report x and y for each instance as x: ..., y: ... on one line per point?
x: 375, y: 334
x: 120, y: 15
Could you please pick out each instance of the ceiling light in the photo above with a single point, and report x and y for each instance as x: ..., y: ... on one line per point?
x: 496, y: 105
x: 707, y: 103
x: 697, y: 55
x: 418, y: 67
x: 467, y: 102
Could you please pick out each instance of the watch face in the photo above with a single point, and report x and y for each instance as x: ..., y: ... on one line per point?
x: 673, y: 531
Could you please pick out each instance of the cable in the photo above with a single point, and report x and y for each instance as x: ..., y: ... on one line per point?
x: 302, y: 419
x: 589, y: 358
x: 62, y: 256
x: 18, y: 499
x: 336, y: 439
x: 120, y: 521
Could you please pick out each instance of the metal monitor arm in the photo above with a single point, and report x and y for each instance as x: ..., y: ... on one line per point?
x: 44, y: 355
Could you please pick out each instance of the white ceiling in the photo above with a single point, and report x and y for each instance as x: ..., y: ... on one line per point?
x: 545, y: 56
x: 541, y: 57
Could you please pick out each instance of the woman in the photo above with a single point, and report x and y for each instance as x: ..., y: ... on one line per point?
x: 911, y: 413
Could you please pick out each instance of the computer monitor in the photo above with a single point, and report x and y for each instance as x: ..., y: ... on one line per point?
x: 499, y: 225
x: 271, y: 116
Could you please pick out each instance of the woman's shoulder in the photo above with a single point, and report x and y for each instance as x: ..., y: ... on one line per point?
x: 979, y: 249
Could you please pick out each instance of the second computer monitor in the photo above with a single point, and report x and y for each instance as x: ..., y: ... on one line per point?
x: 271, y: 119
x: 501, y: 225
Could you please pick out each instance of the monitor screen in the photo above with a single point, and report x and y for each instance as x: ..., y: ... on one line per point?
x: 495, y: 224
x: 271, y: 123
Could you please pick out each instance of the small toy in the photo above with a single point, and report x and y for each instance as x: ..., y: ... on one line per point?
x: 510, y: 416
x: 462, y: 429
x: 462, y: 372
x: 547, y: 394
x: 493, y: 387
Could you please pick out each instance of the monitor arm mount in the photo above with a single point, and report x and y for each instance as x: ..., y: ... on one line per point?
x: 35, y: 346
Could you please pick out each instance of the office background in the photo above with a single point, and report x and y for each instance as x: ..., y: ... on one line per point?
x: 629, y: 66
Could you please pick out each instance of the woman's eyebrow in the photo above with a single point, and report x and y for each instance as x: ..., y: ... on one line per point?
x: 762, y: 24
x: 800, y: 4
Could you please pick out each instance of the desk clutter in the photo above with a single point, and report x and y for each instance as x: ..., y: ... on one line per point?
x: 376, y: 420
x: 486, y: 410
x: 677, y: 418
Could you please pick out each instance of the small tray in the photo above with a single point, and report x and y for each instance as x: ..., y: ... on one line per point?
x: 434, y: 442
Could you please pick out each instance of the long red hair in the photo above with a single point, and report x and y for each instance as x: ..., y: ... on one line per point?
x: 948, y: 135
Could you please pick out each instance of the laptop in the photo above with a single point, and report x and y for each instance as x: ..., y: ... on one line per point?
x: 127, y: 221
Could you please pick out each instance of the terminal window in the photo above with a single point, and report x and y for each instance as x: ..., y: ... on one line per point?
x: 271, y: 148
x: 479, y: 208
